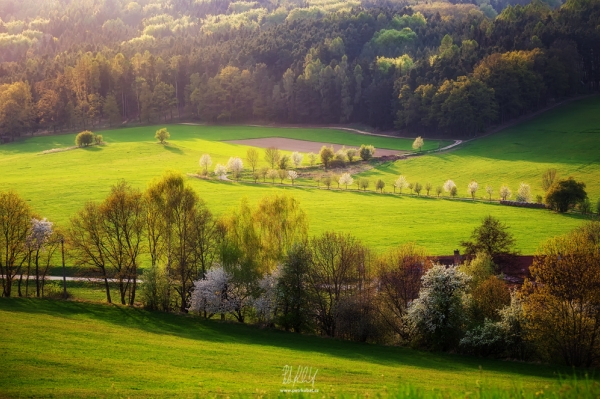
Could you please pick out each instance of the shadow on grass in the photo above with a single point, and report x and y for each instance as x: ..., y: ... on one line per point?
x: 174, y: 150
x: 195, y: 328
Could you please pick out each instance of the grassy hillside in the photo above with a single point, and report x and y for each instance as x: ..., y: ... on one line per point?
x: 566, y: 138
x: 70, y: 349
x: 58, y: 184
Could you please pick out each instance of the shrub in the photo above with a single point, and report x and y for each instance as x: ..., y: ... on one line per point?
x: 326, y: 155
x: 565, y: 194
x: 162, y: 135
x: 84, y: 139
x: 341, y: 156
x: 284, y: 162
x: 98, y: 139
x: 351, y: 153
x: 366, y: 152
x: 364, y: 183
x: 418, y: 188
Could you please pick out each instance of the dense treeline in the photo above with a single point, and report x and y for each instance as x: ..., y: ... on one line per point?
x: 432, y: 68
x: 257, y: 264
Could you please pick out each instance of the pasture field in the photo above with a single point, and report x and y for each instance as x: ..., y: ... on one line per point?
x: 566, y: 138
x: 74, y: 349
x: 58, y: 184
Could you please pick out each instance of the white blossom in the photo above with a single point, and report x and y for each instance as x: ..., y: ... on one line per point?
x: 214, y: 293
x: 505, y: 193
x: 401, y: 183
x: 472, y: 188
x: 346, y: 180
x: 40, y: 232
x: 221, y: 171
x: 524, y: 193
x: 418, y: 143
x: 292, y: 175
x: 235, y: 165
x: 449, y: 185
x: 297, y: 158
x: 266, y: 303
x: 205, y: 161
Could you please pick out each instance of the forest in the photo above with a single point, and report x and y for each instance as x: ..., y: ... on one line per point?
x: 433, y: 68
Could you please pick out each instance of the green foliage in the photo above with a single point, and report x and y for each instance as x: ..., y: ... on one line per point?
x: 326, y: 155
x: 162, y: 135
x: 366, y: 152
x: 565, y: 194
x: 84, y: 139
x: 491, y: 238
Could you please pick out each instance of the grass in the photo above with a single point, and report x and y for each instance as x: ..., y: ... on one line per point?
x: 73, y: 349
x: 58, y: 184
x: 566, y: 138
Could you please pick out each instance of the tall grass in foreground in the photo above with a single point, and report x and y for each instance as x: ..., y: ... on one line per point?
x: 565, y: 388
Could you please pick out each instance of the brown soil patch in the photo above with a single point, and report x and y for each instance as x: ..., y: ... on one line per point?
x: 302, y: 145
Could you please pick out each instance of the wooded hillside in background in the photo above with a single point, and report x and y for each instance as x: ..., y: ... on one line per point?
x: 434, y: 68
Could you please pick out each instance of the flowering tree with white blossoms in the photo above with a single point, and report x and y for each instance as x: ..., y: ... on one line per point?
x: 221, y: 172
x: 297, y: 158
x: 418, y: 143
x: 292, y: 175
x: 38, y: 239
x: 235, y: 165
x: 346, y: 180
x: 505, y: 193
x: 472, y: 188
x: 266, y: 303
x: 212, y: 294
x: 205, y: 162
x: 524, y: 193
x: 400, y: 183
x: 438, y: 315
x: 450, y: 187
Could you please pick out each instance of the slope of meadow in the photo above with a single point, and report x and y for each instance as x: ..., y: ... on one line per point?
x: 71, y: 349
x: 566, y: 138
x: 58, y: 184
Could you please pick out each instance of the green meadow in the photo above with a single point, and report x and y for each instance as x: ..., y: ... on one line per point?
x: 566, y: 138
x: 73, y: 349
x: 57, y: 184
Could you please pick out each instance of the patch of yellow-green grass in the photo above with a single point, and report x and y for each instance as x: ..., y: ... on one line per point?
x: 70, y: 349
x: 566, y: 139
x: 57, y: 185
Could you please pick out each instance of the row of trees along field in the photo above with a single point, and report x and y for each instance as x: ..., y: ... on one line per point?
x: 435, y: 68
x: 257, y: 264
